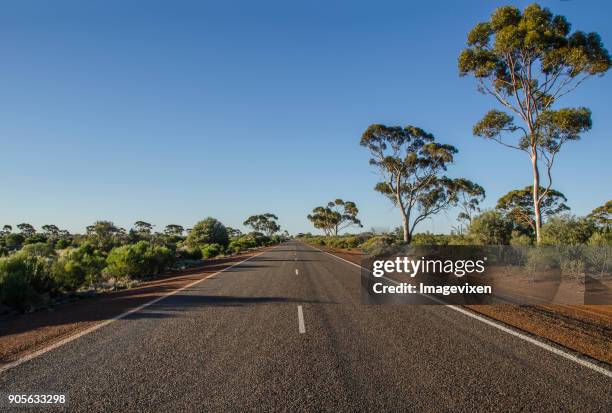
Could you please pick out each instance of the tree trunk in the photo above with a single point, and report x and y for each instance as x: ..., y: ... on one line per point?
x: 406, y: 227
x: 536, y: 196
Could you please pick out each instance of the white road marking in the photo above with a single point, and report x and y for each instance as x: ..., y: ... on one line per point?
x: 297, y: 272
x: 67, y: 340
x: 302, y: 326
x: 499, y: 326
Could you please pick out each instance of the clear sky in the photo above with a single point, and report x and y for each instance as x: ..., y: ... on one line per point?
x: 169, y: 112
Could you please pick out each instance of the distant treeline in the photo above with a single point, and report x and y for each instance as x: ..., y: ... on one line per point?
x: 40, y: 267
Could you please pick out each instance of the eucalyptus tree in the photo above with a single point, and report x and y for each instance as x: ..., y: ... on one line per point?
x: 52, y: 232
x: 527, y: 61
x: 470, y: 196
x: 335, y: 216
x: 234, y: 232
x: 143, y: 228
x: 174, y: 230
x: 517, y: 206
x: 412, y: 165
x: 265, y: 223
x: 25, y: 229
x: 602, y: 216
x: 105, y: 235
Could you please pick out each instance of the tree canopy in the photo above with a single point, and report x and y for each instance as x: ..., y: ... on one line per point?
x: 602, y: 216
x: 208, y: 231
x: 335, y: 216
x: 517, y: 206
x: 265, y: 223
x: 174, y: 230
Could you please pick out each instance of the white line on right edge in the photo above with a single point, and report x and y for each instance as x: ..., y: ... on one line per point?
x: 301, y: 325
x: 499, y: 326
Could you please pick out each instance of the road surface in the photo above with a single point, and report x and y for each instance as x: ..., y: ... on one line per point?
x: 286, y: 331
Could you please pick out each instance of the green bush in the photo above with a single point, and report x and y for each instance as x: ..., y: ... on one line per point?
x: 519, y: 239
x: 208, y: 231
x: 13, y: 240
x: 138, y: 260
x: 567, y: 230
x: 39, y: 249
x: 24, y: 280
x: 62, y: 244
x: 211, y: 250
x: 77, y: 267
x: 490, y: 228
x: 599, y: 239
x: 541, y: 259
x: 190, y: 253
x: 428, y: 238
x: 377, y: 243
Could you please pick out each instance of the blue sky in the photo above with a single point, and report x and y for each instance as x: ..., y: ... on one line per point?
x: 169, y: 112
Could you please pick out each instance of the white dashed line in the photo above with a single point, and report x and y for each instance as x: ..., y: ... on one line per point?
x: 301, y: 325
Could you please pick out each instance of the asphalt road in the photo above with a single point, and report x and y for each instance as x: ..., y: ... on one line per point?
x: 236, y: 342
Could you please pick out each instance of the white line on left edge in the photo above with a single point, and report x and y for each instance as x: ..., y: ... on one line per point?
x: 301, y: 325
x: 67, y: 340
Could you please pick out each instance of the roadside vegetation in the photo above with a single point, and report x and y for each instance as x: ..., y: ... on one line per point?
x: 41, y: 268
x: 504, y: 225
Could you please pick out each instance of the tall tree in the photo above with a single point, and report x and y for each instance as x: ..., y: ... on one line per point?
x: 470, y: 196
x: 411, y: 165
x: 51, y: 231
x: 104, y: 235
x: 335, y: 216
x: 602, y: 216
x: 26, y: 229
x: 234, y: 232
x: 517, y: 206
x: 143, y: 228
x: 265, y: 223
x: 6, y: 229
x: 174, y: 230
x: 527, y: 61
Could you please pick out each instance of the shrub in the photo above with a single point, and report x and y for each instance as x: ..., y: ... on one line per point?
x: 567, y: 230
x: 428, y: 238
x: 78, y: 266
x: 24, y: 279
x: 541, y: 259
x: 138, y: 260
x: 208, y: 231
x: 13, y: 240
x: 519, y: 239
x: 190, y: 253
x: 490, y: 228
x: 211, y: 250
x: 600, y: 239
x: 39, y: 249
x: 377, y: 243
x: 62, y: 244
